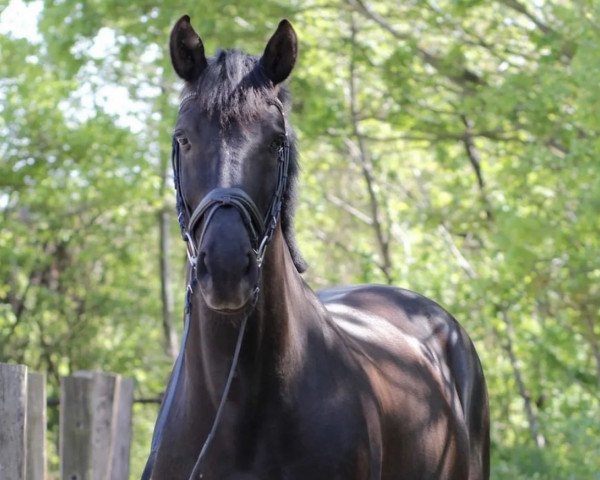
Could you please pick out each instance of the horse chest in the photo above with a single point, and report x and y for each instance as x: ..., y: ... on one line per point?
x: 311, y: 442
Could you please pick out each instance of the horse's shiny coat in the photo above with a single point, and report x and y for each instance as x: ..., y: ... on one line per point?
x: 366, y: 382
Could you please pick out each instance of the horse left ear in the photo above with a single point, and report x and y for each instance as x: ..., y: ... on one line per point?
x: 187, y: 50
x: 279, y: 57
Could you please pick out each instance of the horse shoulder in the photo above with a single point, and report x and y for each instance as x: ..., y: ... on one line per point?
x: 326, y: 416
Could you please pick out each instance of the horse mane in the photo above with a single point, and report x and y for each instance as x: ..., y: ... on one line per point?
x: 234, y: 86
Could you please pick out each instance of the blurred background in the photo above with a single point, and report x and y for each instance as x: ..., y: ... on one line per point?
x: 447, y: 146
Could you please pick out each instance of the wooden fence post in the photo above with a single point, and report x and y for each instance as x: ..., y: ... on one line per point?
x: 95, y: 424
x: 13, y: 421
x: 36, y: 426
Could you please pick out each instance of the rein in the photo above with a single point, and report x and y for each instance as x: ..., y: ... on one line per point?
x: 261, y: 230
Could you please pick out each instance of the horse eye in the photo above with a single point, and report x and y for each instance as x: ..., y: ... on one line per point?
x: 277, y: 144
x: 183, y: 141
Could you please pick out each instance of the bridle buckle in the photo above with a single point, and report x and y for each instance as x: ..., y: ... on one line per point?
x: 190, y: 249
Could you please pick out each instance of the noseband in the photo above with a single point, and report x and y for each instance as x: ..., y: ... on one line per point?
x: 260, y: 229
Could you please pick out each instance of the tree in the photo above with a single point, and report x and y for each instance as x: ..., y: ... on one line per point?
x: 448, y: 147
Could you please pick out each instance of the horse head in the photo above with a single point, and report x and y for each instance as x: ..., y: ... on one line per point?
x: 234, y: 161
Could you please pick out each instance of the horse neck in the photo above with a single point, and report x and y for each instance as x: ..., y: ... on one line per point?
x: 274, y: 341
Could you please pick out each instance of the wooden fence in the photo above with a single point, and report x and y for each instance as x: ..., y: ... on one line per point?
x: 95, y: 425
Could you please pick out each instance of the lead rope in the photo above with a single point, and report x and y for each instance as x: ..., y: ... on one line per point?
x: 239, y: 202
x: 196, y: 471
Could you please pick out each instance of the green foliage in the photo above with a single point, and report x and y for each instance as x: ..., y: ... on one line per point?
x: 464, y: 135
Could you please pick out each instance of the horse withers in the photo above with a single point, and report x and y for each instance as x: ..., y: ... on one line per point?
x: 273, y: 381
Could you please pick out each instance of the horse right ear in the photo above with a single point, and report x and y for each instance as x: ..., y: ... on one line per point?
x: 280, y: 54
x: 187, y: 50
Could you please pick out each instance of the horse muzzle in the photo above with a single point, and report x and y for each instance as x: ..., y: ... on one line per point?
x: 226, y: 265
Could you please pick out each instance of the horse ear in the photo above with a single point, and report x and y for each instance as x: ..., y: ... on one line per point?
x: 280, y: 54
x: 187, y: 50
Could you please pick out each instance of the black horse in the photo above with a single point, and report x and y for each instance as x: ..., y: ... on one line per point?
x: 364, y: 382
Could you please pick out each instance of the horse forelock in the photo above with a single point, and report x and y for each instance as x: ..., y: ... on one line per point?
x: 233, y: 87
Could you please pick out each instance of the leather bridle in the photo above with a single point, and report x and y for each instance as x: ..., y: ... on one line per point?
x: 260, y: 229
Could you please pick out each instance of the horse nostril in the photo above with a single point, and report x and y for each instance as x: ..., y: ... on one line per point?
x: 201, y: 267
x: 249, y: 264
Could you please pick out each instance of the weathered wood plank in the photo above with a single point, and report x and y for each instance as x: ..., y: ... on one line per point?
x: 36, y: 426
x: 95, y: 426
x: 76, y: 411
x: 103, y: 422
x: 123, y: 430
x: 13, y: 421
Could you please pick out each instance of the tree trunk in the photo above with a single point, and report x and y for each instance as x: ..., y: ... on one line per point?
x: 534, y: 427
x: 360, y: 153
x: 165, y: 285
